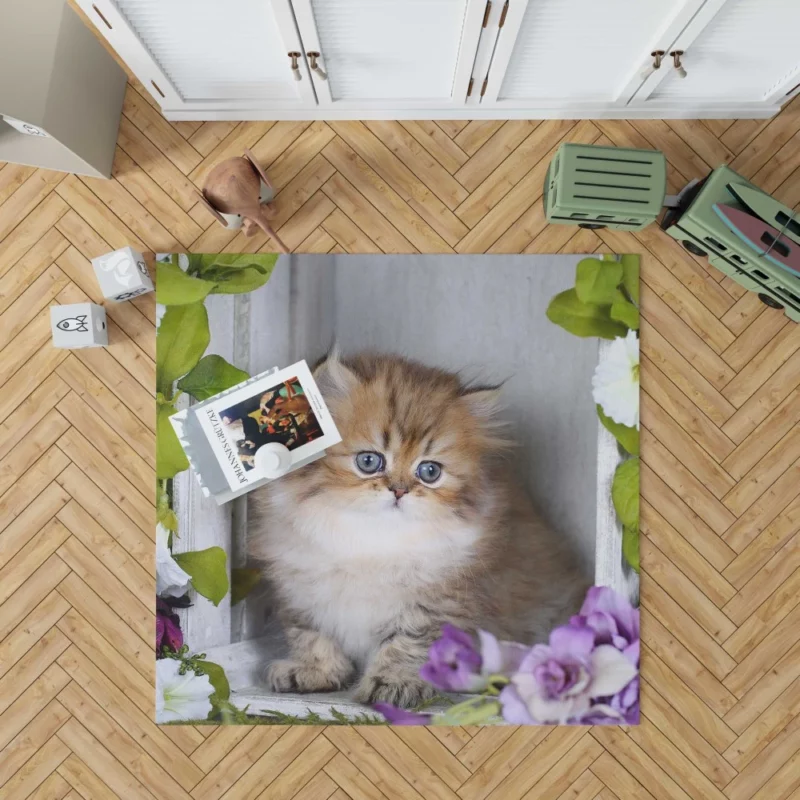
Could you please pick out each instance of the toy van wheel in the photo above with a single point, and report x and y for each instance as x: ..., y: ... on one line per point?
x: 769, y: 301
x: 592, y: 226
x: 693, y: 248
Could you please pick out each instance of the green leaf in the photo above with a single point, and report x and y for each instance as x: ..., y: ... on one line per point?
x: 630, y: 276
x: 624, y: 311
x: 208, y: 571
x: 175, y: 288
x: 243, y: 581
x: 238, y: 261
x: 222, y: 689
x: 211, y: 375
x: 164, y: 514
x: 238, y: 281
x: 582, y: 319
x: 625, y: 492
x: 168, y: 519
x: 170, y: 458
x: 182, y: 338
x: 630, y: 546
x: 627, y: 437
x: 596, y: 281
x: 475, y: 711
x: 234, y: 273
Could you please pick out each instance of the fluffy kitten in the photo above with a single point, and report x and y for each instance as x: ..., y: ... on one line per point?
x: 410, y: 522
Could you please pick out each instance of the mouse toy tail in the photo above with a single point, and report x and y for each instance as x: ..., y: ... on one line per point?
x: 270, y: 231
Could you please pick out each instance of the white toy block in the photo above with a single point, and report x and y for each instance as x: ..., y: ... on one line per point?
x: 78, y: 325
x: 122, y: 275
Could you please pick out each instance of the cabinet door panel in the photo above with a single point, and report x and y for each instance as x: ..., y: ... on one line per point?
x: 393, y: 53
x: 218, y: 55
x: 578, y: 51
x: 748, y: 52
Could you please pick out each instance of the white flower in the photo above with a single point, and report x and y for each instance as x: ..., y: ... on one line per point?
x: 171, y: 580
x: 180, y: 697
x: 615, y: 384
x: 183, y: 261
x: 161, y: 309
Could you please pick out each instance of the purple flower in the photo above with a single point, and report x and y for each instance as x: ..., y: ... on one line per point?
x: 612, y: 618
x: 168, y: 631
x: 623, y: 707
x: 561, y: 681
x: 616, y: 622
x: 399, y: 716
x: 455, y: 664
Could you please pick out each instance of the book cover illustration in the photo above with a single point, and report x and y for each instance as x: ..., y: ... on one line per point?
x: 222, y: 435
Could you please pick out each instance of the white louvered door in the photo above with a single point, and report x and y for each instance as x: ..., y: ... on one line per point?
x: 734, y: 51
x: 208, y: 54
x: 390, y: 54
x: 578, y: 53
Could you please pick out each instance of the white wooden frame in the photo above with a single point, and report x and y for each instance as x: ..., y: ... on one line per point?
x: 610, y: 567
x: 470, y: 34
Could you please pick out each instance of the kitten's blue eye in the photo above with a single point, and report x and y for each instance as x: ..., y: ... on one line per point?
x: 369, y: 463
x: 429, y: 471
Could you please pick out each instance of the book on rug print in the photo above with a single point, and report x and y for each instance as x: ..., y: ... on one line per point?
x: 227, y: 436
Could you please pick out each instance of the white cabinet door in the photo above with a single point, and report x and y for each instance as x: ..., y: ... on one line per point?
x: 392, y: 54
x: 578, y: 54
x: 207, y: 55
x: 734, y: 51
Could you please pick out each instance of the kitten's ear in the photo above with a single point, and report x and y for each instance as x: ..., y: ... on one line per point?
x: 335, y: 380
x: 483, y: 401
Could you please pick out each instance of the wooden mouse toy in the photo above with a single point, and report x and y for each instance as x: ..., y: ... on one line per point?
x: 238, y: 193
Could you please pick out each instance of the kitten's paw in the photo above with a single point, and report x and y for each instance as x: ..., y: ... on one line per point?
x: 294, y: 676
x: 406, y: 693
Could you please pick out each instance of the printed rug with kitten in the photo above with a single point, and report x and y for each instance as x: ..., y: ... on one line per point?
x: 467, y: 553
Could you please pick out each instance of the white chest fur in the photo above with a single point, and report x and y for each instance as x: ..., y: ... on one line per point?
x: 354, y: 574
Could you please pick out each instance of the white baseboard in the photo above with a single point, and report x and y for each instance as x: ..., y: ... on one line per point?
x: 699, y: 111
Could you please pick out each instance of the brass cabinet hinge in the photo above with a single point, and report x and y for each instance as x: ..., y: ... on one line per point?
x: 469, y: 88
x: 483, y: 88
x: 487, y: 12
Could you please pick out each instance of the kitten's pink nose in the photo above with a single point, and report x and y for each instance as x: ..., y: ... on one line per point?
x: 399, y: 491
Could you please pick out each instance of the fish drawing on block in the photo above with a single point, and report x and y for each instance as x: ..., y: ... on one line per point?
x: 764, y: 239
x: 77, y: 324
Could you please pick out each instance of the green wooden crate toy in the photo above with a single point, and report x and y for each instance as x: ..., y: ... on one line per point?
x: 605, y: 187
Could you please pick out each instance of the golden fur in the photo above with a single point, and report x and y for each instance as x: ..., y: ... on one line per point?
x: 366, y: 568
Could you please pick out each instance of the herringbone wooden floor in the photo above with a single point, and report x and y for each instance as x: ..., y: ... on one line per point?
x: 720, y: 483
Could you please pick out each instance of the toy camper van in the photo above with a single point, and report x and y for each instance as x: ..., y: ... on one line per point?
x: 698, y: 223
x: 605, y: 187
